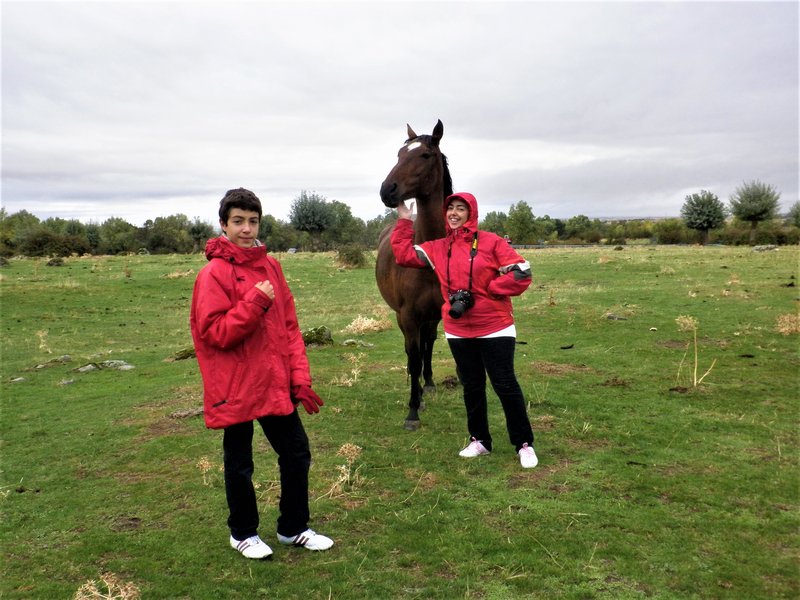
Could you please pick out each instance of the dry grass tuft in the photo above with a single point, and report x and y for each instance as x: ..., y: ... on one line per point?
x: 788, y: 324
x: 348, y: 479
x: 351, y: 378
x: 686, y: 323
x: 110, y: 587
x: 363, y: 324
x: 178, y: 274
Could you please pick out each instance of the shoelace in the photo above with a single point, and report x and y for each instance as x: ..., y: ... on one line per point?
x: 251, y: 541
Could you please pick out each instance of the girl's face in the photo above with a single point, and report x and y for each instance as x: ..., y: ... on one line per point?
x: 457, y: 214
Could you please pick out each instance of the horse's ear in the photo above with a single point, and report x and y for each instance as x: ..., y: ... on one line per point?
x: 438, y: 132
x: 411, y: 134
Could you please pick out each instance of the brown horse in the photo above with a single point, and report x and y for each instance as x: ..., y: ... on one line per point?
x: 421, y: 173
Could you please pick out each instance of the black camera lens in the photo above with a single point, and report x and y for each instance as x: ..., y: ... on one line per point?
x: 460, y: 301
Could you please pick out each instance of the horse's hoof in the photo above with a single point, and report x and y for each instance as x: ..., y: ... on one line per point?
x: 411, y: 425
x: 429, y: 389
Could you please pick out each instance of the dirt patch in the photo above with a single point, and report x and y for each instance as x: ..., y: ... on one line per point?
x: 126, y: 524
x: 788, y: 324
x: 674, y: 344
x: 426, y: 481
x: 551, y: 368
x: 615, y: 382
x: 543, y: 423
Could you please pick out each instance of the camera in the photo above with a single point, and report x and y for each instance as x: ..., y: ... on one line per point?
x: 460, y: 301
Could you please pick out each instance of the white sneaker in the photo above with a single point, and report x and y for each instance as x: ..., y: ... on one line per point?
x: 252, y: 547
x: 475, y: 448
x: 309, y: 539
x: 527, y: 457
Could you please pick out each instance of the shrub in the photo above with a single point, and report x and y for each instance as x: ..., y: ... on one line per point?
x: 352, y: 255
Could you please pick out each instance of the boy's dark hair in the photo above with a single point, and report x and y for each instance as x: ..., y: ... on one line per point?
x: 239, y: 198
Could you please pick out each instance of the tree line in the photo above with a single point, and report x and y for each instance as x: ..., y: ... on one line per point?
x: 317, y: 224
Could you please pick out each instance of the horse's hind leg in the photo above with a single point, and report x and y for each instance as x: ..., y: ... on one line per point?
x: 428, y: 333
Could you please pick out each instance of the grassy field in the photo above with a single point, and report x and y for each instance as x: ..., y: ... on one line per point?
x: 650, y: 484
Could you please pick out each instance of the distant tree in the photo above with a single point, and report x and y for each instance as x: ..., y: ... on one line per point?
x: 638, y: 230
x: 374, y: 227
x: 166, y: 235
x: 200, y: 232
x: 93, y: 237
x: 278, y: 235
x: 546, y: 228
x: 754, y: 202
x: 521, y: 224
x: 495, y: 222
x: 311, y: 213
x: 670, y: 231
x: 703, y: 212
x: 41, y: 240
x: 577, y: 227
x: 345, y: 229
x: 117, y: 236
x: 794, y: 214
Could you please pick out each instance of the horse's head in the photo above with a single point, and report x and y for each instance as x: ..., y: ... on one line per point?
x: 421, y: 170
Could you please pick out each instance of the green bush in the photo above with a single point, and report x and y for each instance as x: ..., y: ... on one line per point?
x: 352, y: 256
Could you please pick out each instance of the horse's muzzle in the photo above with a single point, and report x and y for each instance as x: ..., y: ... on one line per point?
x: 389, y: 195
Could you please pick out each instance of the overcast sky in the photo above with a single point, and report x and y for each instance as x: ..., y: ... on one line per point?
x: 146, y: 109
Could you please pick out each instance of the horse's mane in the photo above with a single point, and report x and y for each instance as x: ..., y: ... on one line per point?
x: 447, y: 180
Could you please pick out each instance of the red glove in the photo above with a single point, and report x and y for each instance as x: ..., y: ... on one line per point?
x: 304, y: 393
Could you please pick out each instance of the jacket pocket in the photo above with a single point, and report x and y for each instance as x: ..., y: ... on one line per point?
x: 234, y: 383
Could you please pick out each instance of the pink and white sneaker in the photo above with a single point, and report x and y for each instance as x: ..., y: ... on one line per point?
x: 527, y: 457
x: 475, y: 448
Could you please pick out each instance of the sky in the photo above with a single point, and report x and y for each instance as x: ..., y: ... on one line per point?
x: 144, y: 109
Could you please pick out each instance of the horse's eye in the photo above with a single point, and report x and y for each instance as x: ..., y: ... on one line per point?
x: 426, y: 155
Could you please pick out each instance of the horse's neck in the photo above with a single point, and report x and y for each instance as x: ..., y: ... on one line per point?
x: 430, y: 220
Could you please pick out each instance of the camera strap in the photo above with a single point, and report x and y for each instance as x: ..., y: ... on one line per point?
x: 472, y: 253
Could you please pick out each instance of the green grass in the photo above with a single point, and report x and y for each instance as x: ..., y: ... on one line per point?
x: 646, y: 487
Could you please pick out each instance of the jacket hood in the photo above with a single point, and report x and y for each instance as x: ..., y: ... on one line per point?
x: 471, y: 226
x: 222, y: 247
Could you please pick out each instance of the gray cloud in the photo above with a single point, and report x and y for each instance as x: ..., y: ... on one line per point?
x: 142, y: 110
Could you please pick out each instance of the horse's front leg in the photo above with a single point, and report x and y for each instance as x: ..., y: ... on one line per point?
x: 428, y: 335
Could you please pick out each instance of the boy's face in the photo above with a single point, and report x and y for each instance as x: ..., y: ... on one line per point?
x: 242, y: 227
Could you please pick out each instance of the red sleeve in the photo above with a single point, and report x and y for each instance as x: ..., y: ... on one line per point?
x: 403, y: 245
x: 220, y: 321
x: 515, y: 271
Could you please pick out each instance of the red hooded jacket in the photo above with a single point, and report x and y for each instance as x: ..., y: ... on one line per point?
x: 498, y: 271
x: 249, y: 348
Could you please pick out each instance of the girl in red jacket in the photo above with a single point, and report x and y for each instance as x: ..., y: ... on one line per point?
x: 478, y: 273
x: 254, y: 368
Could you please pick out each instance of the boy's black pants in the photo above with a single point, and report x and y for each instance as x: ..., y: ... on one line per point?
x: 288, y: 438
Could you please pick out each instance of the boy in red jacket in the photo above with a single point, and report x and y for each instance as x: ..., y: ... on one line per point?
x: 254, y: 368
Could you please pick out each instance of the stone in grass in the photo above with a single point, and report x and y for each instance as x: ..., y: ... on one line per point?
x: 182, y: 354
x: 359, y: 343
x: 118, y: 365
x: 53, y: 362
x: 317, y: 336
